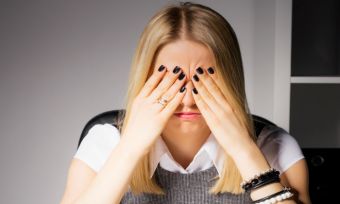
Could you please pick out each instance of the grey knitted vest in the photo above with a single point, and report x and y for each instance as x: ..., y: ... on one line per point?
x: 186, y: 189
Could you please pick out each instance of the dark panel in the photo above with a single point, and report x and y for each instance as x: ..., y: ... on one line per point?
x: 324, y: 175
x: 315, y: 38
x: 315, y: 114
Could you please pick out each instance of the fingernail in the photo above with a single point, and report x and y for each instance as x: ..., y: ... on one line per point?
x: 182, y: 89
x: 196, y: 77
x: 176, y: 70
x: 211, y: 70
x: 161, y: 68
x: 181, y: 76
x: 199, y: 70
x: 195, y: 91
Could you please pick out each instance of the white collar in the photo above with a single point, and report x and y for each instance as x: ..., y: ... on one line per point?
x: 210, y: 152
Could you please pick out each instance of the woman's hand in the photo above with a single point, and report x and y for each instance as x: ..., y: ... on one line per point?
x: 148, y: 117
x: 217, y: 112
x: 230, y: 134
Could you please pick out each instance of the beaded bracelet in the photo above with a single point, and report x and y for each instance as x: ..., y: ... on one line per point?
x: 276, y: 197
x: 261, y: 179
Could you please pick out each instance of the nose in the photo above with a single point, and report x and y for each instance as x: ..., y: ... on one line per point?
x: 188, y: 100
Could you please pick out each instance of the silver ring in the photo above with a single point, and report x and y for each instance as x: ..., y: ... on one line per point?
x: 163, y: 101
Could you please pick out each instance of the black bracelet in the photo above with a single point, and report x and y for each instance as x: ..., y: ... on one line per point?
x: 267, y: 177
x: 285, y: 193
x: 265, y: 182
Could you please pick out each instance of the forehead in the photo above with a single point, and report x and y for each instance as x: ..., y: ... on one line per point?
x: 184, y: 53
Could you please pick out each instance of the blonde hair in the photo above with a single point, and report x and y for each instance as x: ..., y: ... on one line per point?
x: 204, y: 25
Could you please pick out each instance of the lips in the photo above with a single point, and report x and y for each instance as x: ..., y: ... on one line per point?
x: 188, y: 115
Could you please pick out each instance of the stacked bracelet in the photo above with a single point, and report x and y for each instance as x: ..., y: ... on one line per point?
x: 259, y: 180
x: 276, y: 197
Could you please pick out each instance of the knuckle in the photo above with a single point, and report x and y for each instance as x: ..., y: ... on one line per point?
x: 148, y: 85
x: 228, y: 110
x: 162, y: 88
x: 166, y: 96
x: 149, y: 101
x: 221, y: 114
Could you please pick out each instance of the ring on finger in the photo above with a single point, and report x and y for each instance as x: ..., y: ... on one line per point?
x: 163, y: 101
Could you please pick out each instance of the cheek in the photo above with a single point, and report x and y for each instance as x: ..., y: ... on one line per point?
x: 172, y: 123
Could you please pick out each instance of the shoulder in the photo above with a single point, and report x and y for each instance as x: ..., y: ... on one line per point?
x: 274, y: 135
x: 103, y: 132
x: 103, y: 135
x: 279, y: 147
x: 97, y: 145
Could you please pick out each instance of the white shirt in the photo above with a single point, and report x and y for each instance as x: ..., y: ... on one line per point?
x: 208, y: 155
x: 280, y: 149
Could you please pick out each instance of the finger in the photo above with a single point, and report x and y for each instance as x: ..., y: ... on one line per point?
x: 204, y: 108
x: 212, y: 73
x: 170, y: 108
x: 205, y: 95
x: 153, y: 81
x: 166, y: 82
x: 208, y: 80
x: 172, y: 91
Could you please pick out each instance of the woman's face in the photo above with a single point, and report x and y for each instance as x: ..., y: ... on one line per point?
x: 188, y: 55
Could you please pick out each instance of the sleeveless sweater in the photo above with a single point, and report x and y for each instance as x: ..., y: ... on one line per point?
x: 181, y: 188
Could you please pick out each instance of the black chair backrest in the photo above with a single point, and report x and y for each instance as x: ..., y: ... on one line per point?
x: 115, y: 117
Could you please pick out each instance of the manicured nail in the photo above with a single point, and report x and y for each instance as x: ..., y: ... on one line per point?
x: 211, y: 70
x: 182, y: 89
x: 161, y: 68
x: 196, y: 77
x: 181, y: 76
x: 199, y: 70
x: 195, y: 91
x: 176, y: 70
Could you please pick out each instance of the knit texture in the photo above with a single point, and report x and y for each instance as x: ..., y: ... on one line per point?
x: 190, y: 188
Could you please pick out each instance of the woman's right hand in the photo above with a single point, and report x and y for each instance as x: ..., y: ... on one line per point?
x: 148, y: 117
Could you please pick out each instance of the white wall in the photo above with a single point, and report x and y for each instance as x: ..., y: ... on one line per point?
x: 62, y: 62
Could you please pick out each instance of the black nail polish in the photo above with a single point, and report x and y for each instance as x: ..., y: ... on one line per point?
x: 176, y: 70
x: 199, y: 70
x: 196, y: 78
x: 195, y: 91
x: 161, y: 68
x: 182, y: 89
x: 211, y: 70
x: 181, y: 76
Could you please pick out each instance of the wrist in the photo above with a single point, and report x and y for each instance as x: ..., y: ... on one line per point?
x: 131, y: 149
x: 249, y: 160
x: 241, y: 149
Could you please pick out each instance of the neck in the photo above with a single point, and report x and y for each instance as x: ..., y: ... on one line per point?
x: 183, y: 146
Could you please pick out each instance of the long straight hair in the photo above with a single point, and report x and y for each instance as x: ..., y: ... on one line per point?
x: 200, y: 24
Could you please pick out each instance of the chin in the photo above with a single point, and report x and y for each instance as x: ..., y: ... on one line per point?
x: 184, y: 125
x: 191, y: 128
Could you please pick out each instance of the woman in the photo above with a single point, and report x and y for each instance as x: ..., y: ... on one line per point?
x: 187, y: 136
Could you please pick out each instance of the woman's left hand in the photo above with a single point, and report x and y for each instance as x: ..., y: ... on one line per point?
x: 217, y: 112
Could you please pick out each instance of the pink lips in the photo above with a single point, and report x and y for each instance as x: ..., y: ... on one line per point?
x: 188, y: 115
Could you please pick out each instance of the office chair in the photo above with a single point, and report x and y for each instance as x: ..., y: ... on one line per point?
x: 323, y: 171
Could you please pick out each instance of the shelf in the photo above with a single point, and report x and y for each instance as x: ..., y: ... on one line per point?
x: 315, y: 80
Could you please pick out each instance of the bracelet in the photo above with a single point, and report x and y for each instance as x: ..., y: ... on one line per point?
x: 265, y: 182
x: 284, y: 194
x: 269, y: 176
